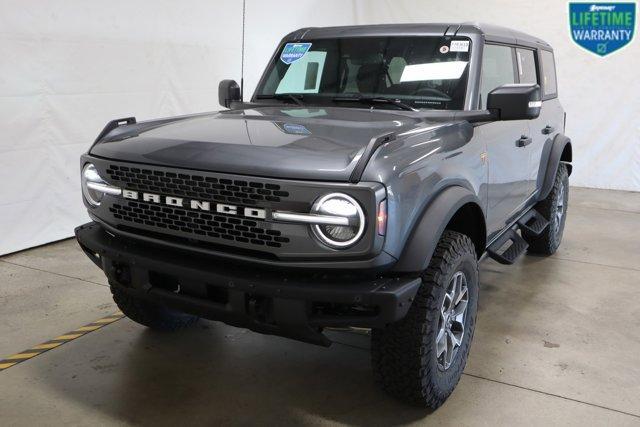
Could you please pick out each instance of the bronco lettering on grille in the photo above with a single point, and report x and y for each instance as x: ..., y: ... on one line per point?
x: 195, y: 204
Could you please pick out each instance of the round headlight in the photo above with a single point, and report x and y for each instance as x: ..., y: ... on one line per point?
x: 339, y: 205
x: 90, y: 178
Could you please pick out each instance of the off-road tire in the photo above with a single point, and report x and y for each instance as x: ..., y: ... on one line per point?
x: 150, y: 314
x: 548, y: 242
x: 403, y: 354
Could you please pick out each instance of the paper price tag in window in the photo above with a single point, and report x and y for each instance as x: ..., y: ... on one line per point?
x: 459, y: 46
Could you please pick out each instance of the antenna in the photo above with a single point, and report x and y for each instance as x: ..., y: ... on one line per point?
x: 244, y: 2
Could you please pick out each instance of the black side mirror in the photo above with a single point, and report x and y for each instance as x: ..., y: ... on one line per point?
x: 228, y: 91
x: 515, y: 101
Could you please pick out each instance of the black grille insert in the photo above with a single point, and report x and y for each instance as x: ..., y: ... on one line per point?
x: 195, y: 186
x: 198, y: 223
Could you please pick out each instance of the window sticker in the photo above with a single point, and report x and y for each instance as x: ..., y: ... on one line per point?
x: 304, y: 75
x: 444, y: 49
x: 433, y: 71
x: 294, y: 51
x: 459, y: 46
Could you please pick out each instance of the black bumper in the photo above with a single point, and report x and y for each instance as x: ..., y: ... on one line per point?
x: 289, y: 303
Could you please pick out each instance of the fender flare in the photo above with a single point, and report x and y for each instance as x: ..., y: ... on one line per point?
x: 425, y: 235
x: 554, y: 159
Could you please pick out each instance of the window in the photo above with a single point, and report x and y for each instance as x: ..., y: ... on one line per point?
x: 526, y: 66
x: 423, y: 72
x: 497, y: 70
x: 549, y: 84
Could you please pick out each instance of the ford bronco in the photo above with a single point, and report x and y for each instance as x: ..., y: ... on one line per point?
x: 371, y: 171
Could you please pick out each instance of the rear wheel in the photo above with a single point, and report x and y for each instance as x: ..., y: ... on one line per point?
x: 150, y: 314
x: 554, y: 209
x: 420, y: 359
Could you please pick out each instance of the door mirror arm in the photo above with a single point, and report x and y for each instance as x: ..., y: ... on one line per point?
x: 478, y: 116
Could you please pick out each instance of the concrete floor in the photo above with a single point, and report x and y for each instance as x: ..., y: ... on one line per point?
x: 558, y: 341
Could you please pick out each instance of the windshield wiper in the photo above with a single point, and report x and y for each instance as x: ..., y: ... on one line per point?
x: 375, y: 100
x: 297, y: 98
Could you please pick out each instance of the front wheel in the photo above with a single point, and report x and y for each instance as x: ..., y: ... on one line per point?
x: 420, y: 359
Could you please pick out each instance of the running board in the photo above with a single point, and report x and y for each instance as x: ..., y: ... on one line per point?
x: 533, y: 222
x: 517, y: 247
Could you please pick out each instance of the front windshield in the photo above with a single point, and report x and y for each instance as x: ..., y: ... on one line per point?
x: 420, y: 72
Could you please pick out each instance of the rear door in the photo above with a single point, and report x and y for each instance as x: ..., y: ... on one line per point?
x: 508, y: 163
x: 551, y: 119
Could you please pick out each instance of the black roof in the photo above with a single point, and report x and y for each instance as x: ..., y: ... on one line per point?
x: 488, y: 31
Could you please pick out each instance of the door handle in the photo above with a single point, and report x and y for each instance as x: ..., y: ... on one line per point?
x: 547, y: 130
x: 524, y: 141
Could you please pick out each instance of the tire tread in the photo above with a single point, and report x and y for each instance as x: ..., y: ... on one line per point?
x: 400, y: 352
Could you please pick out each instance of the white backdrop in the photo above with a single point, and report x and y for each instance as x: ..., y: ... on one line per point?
x: 68, y: 67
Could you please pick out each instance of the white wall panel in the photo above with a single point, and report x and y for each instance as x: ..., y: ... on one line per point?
x: 68, y: 67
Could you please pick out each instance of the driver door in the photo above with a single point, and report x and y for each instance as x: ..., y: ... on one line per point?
x: 508, y: 160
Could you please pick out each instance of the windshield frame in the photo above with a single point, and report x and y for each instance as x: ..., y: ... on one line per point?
x: 472, y: 79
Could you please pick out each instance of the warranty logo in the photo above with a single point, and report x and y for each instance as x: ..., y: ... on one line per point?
x: 602, y: 28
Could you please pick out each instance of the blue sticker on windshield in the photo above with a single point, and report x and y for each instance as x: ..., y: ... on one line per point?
x: 294, y: 51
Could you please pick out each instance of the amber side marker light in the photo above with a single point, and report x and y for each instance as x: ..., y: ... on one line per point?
x: 382, y: 218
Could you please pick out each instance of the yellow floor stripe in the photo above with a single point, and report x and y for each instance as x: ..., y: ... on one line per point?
x: 108, y: 320
x: 88, y: 328
x: 22, y: 356
x: 46, y: 346
x: 70, y: 336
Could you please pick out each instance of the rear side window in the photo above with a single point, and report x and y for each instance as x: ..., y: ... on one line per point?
x: 549, y: 84
x: 497, y: 70
x: 526, y: 66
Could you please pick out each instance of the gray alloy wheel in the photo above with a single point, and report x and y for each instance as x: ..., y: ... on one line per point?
x: 420, y: 358
x: 453, y: 311
x: 559, y: 208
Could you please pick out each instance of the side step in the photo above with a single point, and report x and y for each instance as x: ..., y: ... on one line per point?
x: 533, y: 222
x: 517, y: 247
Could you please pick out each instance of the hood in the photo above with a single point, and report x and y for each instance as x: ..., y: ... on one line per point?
x: 322, y: 144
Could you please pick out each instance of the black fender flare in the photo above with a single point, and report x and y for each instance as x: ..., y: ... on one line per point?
x: 425, y: 235
x: 553, y: 161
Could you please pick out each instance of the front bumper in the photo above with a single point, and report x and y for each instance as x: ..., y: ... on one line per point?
x: 291, y: 303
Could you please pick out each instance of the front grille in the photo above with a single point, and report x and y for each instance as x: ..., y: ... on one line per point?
x: 196, y: 186
x: 197, y: 223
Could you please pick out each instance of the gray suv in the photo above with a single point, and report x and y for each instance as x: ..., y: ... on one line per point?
x: 372, y: 170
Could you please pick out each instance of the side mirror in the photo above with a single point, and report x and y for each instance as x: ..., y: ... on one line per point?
x: 515, y: 101
x: 228, y: 91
